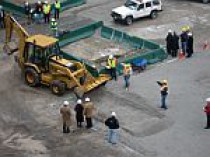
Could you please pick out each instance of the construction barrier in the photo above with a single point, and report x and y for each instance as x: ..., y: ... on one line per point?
x: 155, y: 52
x: 19, y: 10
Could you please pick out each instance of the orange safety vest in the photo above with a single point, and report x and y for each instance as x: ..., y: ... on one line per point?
x: 127, y: 69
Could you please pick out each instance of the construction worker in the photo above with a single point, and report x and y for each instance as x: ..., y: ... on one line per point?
x: 79, y: 109
x: 38, y: 11
x: 46, y: 11
x: 1, y: 17
x: 88, y: 112
x: 54, y: 27
x: 112, y: 64
x: 127, y: 71
x: 190, y: 45
x: 164, y: 92
x: 113, y: 128
x: 169, y: 42
x: 57, y: 6
x: 27, y: 8
x: 184, y: 39
x: 175, y: 46
x: 66, y: 116
x: 207, y: 111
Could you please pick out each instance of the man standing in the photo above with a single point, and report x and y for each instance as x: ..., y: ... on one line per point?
x: 39, y: 11
x: 27, y: 8
x: 66, y: 116
x: 57, y: 6
x: 54, y: 27
x: 169, y: 42
x: 113, y: 127
x: 112, y: 64
x: 127, y: 70
x: 1, y: 17
x: 88, y: 112
x: 46, y: 11
x: 164, y: 92
x: 190, y: 45
x: 207, y: 111
x: 175, y: 46
x: 184, y: 39
x: 79, y: 113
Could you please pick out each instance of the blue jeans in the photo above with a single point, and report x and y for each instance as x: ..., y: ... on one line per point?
x: 127, y: 83
x: 113, y: 135
x: 184, y: 47
x: 163, y: 101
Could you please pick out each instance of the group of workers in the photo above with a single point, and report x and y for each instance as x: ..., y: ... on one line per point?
x: 86, y: 111
x: 186, y: 40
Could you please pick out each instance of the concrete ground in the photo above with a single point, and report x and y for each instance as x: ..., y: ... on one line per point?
x: 30, y: 123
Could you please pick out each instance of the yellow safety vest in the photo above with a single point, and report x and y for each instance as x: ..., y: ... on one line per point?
x: 47, y: 9
x: 112, y: 62
x: 58, y: 5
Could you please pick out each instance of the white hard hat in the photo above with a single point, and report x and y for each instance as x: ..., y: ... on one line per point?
x: 165, y: 81
x: 87, y: 99
x: 1, y: 7
x: 208, y: 100
x: 113, y: 114
x: 110, y: 56
x: 39, y: 2
x: 46, y: 2
x: 53, y: 19
x: 169, y: 31
x: 190, y: 33
x: 79, y: 101
x: 66, y: 103
x: 26, y: 3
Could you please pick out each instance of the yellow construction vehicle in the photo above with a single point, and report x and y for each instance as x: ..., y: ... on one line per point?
x: 41, y: 62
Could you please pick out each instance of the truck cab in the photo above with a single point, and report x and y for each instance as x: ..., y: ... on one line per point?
x: 134, y: 9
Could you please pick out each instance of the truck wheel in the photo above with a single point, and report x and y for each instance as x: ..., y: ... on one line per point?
x: 32, y: 78
x: 205, y: 1
x: 153, y: 15
x: 129, y: 20
x: 57, y: 87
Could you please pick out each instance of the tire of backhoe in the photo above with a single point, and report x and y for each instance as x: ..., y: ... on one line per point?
x: 31, y: 73
x: 57, y: 87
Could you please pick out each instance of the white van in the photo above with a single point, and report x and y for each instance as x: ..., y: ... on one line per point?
x: 134, y: 9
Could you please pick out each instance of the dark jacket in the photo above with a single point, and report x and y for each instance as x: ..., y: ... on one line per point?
x: 27, y: 9
x: 79, y: 112
x: 190, y: 44
x: 39, y: 9
x: 184, y: 37
x: 169, y: 40
x: 176, y: 41
x: 112, y: 123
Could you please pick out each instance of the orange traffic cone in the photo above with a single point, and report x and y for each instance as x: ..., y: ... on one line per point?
x: 181, y: 55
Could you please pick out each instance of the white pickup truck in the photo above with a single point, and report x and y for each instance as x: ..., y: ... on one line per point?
x: 134, y: 9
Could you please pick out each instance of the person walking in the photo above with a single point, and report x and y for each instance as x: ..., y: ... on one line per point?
x: 1, y: 17
x: 66, y: 116
x: 57, y: 6
x: 88, y: 112
x: 190, y: 45
x: 164, y: 92
x: 54, y: 27
x: 184, y: 39
x: 112, y: 64
x: 113, y: 128
x: 207, y: 111
x: 175, y: 45
x: 127, y: 71
x: 46, y: 11
x: 79, y: 109
x: 169, y: 42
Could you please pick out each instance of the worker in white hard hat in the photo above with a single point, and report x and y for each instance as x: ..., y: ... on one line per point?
x: 54, y: 27
x: 57, y: 7
x: 39, y: 11
x: 88, y: 112
x: 1, y: 17
x: 113, y: 128
x: 111, y: 66
x: 207, y: 111
x: 190, y: 46
x: 66, y: 116
x: 163, y: 92
x: 27, y: 9
x: 79, y: 109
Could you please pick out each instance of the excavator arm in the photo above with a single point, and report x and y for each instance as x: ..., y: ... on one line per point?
x: 12, y: 25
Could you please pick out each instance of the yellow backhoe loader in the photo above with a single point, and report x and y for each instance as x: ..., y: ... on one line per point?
x: 41, y: 62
